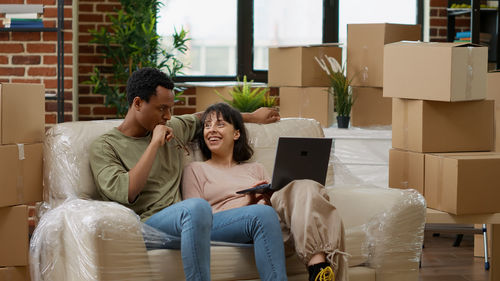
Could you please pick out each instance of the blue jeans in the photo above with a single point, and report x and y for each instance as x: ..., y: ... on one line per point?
x: 192, y: 220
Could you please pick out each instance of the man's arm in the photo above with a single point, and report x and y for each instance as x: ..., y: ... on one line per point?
x: 139, y: 174
x: 262, y: 115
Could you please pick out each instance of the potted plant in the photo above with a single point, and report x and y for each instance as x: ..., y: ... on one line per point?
x: 129, y: 43
x: 340, y: 89
x: 248, y: 99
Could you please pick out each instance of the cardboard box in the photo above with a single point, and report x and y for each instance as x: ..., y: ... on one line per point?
x: 206, y: 92
x: 296, y: 65
x: 14, y: 240
x: 22, y: 113
x: 17, y: 273
x: 307, y: 102
x: 370, y: 107
x: 365, y: 49
x: 21, y: 174
x: 432, y: 126
x: 493, y: 90
x: 463, y: 183
x: 406, y: 170
x: 206, y: 96
x: 435, y: 71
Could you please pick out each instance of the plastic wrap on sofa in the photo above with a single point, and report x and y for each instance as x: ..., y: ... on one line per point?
x: 92, y: 240
x: 395, y: 236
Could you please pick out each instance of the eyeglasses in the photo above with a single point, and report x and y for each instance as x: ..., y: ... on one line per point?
x: 181, y: 145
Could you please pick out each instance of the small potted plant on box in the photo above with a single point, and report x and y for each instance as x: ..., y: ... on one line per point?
x: 248, y: 99
x: 340, y: 89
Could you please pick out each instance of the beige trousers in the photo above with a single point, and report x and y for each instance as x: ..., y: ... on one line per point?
x: 311, y: 224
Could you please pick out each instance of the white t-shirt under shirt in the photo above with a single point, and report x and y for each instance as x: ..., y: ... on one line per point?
x: 218, y: 185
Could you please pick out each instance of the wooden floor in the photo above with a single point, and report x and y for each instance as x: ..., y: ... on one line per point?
x: 443, y: 262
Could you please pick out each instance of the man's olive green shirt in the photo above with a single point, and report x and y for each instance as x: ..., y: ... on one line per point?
x: 113, y: 154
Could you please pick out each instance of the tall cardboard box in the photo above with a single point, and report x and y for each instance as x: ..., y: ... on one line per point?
x: 17, y: 273
x: 296, y: 65
x: 307, y: 102
x: 22, y: 113
x: 14, y: 241
x: 365, y: 49
x: 493, y: 90
x: 21, y: 174
x: 435, y: 71
x: 406, y: 170
x: 463, y: 183
x: 370, y: 107
x: 433, y: 126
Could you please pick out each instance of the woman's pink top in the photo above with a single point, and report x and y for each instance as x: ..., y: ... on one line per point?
x: 219, y: 185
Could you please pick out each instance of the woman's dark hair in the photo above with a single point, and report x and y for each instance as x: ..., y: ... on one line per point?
x: 242, y: 150
x: 143, y: 82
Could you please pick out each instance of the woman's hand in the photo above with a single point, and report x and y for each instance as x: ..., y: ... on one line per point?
x: 256, y: 197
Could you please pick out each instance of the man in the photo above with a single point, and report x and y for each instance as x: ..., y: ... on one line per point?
x: 139, y: 165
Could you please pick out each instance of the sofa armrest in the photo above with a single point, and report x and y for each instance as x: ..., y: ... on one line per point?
x: 393, y: 221
x: 89, y: 240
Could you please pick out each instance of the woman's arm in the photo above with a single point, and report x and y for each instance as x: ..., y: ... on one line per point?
x: 191, y: 186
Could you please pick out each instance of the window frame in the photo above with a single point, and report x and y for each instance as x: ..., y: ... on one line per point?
x: 244, y: 40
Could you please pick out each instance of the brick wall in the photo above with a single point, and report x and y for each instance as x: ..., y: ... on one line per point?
x: 31, y: 57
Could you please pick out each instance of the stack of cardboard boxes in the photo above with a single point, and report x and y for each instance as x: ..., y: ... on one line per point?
x: 442, y: 127
x: 22, y: 126
x: 365, y: 57
x: 303, y: 84
x: 493, y: 92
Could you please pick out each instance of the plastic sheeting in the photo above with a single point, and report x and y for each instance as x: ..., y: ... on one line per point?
x: 81, y: 238
x: 361, y: 155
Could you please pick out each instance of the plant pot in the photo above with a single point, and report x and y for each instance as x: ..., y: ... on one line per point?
x: 343, y: 121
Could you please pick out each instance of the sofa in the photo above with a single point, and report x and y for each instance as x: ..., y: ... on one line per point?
x: 79, y: 237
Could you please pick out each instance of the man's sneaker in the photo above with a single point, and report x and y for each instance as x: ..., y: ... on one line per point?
x: 326, y: 274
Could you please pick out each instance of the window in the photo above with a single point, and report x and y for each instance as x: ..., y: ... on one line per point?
x: 230, y: 38
x: 285, y: 22
x: 382, y: 11
x: 211, y: 25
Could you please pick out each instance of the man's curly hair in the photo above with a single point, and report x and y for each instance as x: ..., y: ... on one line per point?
x: 143, y: 82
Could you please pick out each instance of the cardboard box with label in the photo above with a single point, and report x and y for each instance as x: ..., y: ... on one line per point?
x: 370, y: 107
x: 21, y: 174
x: 493, y: 90
x: 14, y: 240
x: 296, y: 65
x: 17, y: 273
x: 463, y: 183
x: 433, y: 126
x: 435, y: 71
x: 365, y: 49
x: 22, y: 113
x: 307, y: 102
x: 406, y: 170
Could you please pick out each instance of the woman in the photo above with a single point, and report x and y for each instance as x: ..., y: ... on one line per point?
x: 310, y: 223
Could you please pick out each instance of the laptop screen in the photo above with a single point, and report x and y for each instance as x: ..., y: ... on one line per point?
x: 301, y: 158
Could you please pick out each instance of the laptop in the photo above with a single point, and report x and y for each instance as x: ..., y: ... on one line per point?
x: 297, y: 158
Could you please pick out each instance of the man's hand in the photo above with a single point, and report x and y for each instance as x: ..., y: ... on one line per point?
x: 263, y: 115
x: 162, y: 133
